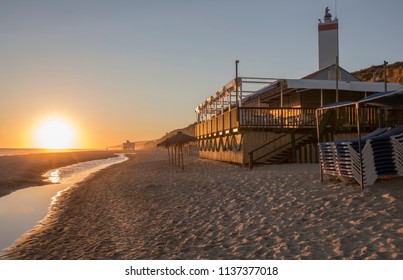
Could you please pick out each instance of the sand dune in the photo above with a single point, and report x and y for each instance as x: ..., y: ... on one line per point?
x: 147, y: 209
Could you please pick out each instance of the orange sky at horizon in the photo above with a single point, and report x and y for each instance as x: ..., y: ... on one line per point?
x: 92, y: 131
x: 85, y: 135
x: 98, y: 122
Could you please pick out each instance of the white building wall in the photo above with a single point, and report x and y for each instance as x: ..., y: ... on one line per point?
x: 328, y: 47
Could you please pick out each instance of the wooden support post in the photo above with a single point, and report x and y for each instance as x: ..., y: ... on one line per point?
x: 181, y: 152
x: 321, y: 97
x: 175, y: 155
x: 357, y: 109
x: 172, y: 155
x: 293, y: 147
x: 251, y: 161
x: 281, y: 95
x: 318, y: 135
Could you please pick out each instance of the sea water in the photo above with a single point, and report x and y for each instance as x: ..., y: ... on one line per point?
x: 17, y: 152
x: 21, y: 210
x: 27, y: 151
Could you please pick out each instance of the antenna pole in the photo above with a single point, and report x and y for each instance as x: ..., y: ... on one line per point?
x: 337, y: 78
x: 236, y: 90
x: 236, y: 82
x: 385, y: 82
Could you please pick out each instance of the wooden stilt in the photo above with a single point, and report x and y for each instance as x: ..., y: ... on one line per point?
x: 176, y: 154
x: 183, y: 163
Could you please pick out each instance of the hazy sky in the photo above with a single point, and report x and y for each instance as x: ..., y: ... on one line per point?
x: 124, y: 69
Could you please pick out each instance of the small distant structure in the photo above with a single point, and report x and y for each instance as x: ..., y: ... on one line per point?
x: 129, y: 146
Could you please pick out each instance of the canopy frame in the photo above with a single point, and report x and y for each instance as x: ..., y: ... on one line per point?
x: 381, y: 101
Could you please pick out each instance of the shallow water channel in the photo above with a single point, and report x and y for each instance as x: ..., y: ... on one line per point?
x: 21, y: 210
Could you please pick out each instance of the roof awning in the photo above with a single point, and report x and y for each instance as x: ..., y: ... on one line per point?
x: 382, y: 99
x: 348, y: 86
x: 337, y: 105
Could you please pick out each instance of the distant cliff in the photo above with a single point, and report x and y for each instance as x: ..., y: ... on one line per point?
x: 394, y: 73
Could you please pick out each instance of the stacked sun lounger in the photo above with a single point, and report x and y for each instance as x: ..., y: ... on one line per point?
x: 397, y: 142
x: 327, y: 155
x: 382, y: 154
x: 336, y: 159
x: 348, y: 158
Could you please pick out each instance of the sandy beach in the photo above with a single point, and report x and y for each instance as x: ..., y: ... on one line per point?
x: 17, y: 172
x: 145, y: 208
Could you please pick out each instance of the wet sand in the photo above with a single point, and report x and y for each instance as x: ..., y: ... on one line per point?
x: 145, y: 208
x: 17, y: 172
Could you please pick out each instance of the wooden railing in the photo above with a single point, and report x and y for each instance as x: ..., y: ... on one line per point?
x: 395, y: 117
x: 345, y: 118
x: 289, y: 118
x: 257, y: 118
x: 277, y: 117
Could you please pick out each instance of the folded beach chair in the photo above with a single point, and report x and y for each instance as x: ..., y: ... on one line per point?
x: 335, y: 158
x: 341, y: 159
x: 397, y: 143
x: 327, y: 158
x: 378, y: 158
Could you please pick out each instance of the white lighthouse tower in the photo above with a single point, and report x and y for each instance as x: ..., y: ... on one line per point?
x: 328, y: 31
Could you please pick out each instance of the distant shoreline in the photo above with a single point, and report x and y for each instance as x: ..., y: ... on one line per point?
x: 21, y: 171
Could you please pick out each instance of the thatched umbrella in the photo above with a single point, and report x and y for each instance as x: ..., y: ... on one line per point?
x: 176, y: 142
x: 180, y: 138
x: 166, y: 145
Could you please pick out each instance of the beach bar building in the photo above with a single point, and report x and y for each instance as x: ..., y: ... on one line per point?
x: 267, y: 120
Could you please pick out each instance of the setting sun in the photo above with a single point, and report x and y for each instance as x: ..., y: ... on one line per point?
x: 55, y: 133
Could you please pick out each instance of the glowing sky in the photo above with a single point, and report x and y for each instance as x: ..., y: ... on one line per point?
x: 128, y: 69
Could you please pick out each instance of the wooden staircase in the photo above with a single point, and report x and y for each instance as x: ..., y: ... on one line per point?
x: 285, y: 152
x: 288, y: 154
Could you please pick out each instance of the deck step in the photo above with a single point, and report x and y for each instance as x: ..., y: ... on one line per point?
x: 285, y: 155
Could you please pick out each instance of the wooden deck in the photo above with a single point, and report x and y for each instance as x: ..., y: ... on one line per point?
x: 261, y: 118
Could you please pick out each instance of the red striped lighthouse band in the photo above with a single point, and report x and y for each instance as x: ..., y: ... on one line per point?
x: 330, y: 26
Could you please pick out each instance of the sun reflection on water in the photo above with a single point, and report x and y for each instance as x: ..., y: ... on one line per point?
x: 54, y: 176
